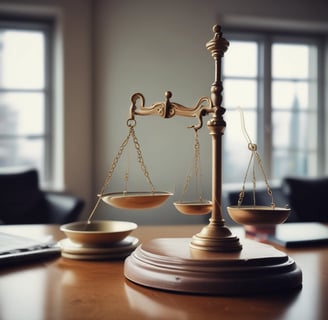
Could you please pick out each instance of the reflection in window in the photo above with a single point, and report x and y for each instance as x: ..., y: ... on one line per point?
x: 280, y: 115
x: 293, y: 111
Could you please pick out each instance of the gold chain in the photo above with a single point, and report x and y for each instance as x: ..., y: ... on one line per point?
x: 131, y: 124
x: 253, y: 148
x: 141, y: 160
x: 196, y: 169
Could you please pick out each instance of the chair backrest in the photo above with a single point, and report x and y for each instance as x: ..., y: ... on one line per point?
x: 23, y: 202
x: 19, y: 196
x: 308, y: 197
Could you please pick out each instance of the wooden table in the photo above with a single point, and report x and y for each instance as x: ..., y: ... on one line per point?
x: 61, y: 288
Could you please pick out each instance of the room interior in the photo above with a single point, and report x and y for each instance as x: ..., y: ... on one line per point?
x: 107, y: 50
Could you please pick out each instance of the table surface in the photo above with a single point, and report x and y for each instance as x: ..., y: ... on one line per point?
x: 62, y: 288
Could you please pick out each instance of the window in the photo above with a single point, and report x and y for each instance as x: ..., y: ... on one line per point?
x: 25, y: 95
x: 274, y: 80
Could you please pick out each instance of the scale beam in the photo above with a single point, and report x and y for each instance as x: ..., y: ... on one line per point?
x: 168, y: 109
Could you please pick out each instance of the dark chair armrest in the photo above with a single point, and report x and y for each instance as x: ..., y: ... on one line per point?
x: 62, y: 208
x: 307, y: 197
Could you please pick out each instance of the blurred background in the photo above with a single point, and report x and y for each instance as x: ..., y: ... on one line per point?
x: 68, y: 69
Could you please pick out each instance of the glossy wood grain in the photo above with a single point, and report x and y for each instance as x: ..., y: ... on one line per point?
x: 70, y: 289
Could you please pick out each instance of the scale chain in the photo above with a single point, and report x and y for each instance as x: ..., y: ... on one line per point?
x: 253, y: 148
x: 141, y: 160
x: 114, y: 164
x: 195, y: 169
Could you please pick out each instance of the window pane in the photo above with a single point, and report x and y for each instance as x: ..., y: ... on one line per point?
x: 22, y: 152
x: 299, y: 164
x: 291, y: 130
x: 290, y: 95
x: 25, y: 93
x: 288, y: 130
x: 240, y: 93
x: 22, y: 114
x: 294, y: 131
x: 290, y: 61
x: 236, y: 153
x: 293, y: 146
x: 240, y: 71
x: 241, y: 60
x: 22, y: 59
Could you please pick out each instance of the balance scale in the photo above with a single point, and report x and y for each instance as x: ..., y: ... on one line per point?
x: 213, y: 261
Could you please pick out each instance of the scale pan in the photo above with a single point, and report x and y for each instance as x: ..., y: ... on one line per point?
x: 135, y: 200
x: 258, y: 215
x: 101, y: 232
x: 194, y: 207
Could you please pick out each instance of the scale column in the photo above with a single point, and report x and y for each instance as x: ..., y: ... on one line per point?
x: 216, y: 236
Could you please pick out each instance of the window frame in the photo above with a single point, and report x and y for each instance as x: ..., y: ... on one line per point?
x: 46, y: 26
x: 266, y: 38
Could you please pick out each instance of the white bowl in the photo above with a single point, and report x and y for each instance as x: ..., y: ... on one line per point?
x: 194, y: 207
x: 98, y: 232
x: 135, y: 200
x: 258, y: 215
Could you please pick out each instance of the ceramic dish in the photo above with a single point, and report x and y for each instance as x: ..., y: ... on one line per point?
x: 135, y: 200
x: 258, y: 215
x: 98, y: 232
x: 79, y: 251
x: 194, y: 208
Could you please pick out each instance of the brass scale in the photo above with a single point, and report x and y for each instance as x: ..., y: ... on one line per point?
x: 213, y: 261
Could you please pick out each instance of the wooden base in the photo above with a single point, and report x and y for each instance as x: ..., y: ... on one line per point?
x: 217, y: 238
x: 171, y: 264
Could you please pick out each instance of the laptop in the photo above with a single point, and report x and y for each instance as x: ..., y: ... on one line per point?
x: 15, y: 248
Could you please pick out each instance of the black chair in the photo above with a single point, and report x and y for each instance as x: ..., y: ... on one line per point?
x: 307, y: 197
x: 22, y: 201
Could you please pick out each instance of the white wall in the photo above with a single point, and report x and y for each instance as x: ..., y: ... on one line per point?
x: 113, y: 48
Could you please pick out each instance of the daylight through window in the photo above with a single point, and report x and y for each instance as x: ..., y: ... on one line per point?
x: 25, y: 131
x: 274, y: 80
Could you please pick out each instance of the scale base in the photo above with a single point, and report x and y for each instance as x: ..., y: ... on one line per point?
x: 171, y: 264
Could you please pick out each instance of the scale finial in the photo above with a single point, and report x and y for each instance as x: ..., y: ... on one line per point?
x: 217, y: 45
